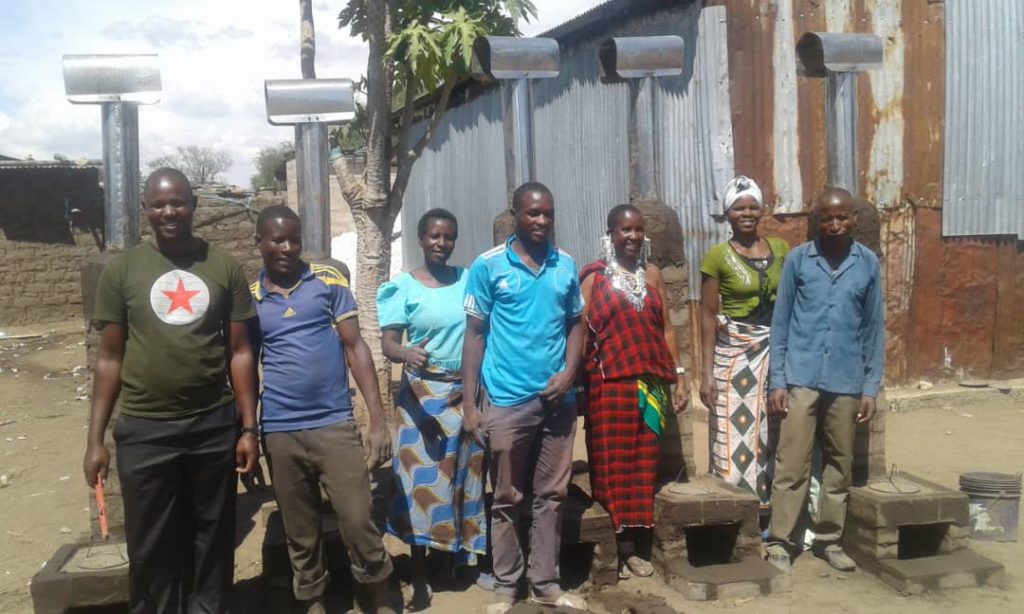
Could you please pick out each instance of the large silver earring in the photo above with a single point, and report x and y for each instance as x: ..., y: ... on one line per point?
x: 608, y: 249
x: 645, y: 253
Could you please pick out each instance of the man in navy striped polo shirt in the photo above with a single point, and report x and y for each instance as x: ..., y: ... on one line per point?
x: 308, y: 426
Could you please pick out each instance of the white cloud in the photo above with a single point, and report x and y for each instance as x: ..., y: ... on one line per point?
x: 214, y: 57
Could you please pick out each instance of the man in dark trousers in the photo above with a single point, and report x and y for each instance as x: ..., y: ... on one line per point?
x: 174, y: 346
x: 309, y: 330
x: 524, y: 343
x: 826, y: 369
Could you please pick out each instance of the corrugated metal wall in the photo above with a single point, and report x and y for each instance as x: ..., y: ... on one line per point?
x: 580, y: 135
x: 462, y: 170
x: 984, y: 118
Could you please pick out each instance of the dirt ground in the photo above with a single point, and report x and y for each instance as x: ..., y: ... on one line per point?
x: 45, y: 502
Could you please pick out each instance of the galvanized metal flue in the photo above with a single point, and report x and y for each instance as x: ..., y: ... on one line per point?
x: 309, y: 105
x: 515, y: 61
x: 640, y: 60
x: 119, y: 83
x: 838, y: 58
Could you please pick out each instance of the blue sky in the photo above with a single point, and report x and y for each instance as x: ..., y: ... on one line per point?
x: 214, y: 56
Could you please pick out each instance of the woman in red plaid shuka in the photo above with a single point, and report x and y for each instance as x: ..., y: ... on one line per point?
x: 630, y: 364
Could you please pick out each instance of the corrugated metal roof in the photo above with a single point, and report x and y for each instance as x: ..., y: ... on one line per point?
x: 74, y: 165
x: 596, y: 19
x: 581, y: 145
x: 984, y: 140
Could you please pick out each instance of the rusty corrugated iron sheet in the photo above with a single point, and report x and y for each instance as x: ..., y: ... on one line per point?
x: 953, y: 314
x: 1008, y: 346
x: 924, y: 81
x: 984, y: 139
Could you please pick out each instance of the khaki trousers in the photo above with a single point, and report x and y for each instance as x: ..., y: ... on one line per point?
x: 333, y: 456
x: 829, y: 418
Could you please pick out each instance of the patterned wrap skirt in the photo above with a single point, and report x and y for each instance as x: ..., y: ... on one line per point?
x: 622, y: 451
x: 742, y: 436
x: 439, y: 470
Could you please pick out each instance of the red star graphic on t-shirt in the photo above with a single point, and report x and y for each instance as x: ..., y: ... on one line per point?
x: 180, y: 297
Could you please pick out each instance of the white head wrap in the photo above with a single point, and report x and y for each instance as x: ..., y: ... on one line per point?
x: 738, y: 188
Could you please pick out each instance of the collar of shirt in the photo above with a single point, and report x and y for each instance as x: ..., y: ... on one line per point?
x: 814, y: 251
x: 551, y: 258
x: 261, y: 288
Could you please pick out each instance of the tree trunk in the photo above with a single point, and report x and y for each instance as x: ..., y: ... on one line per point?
x: 374, y: 226
x: 307, y: 40
x: 368, y: 199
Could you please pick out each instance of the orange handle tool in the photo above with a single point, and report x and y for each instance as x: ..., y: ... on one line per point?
x: 101, y: 504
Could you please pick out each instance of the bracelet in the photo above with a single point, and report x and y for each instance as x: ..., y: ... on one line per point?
x: 250, y: 430
x: 681, y: 371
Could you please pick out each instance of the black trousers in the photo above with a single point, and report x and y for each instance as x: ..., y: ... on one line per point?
x: 178, y: 483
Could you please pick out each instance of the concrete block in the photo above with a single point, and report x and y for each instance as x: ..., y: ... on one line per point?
x: 751, y: 577
x: 932, y: 504
x: 82, y: 576
x: 961, y: 569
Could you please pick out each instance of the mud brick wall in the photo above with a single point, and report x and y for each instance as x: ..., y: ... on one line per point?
x: 42, y: 254
x: 50, y: 223
x: 40, y: 282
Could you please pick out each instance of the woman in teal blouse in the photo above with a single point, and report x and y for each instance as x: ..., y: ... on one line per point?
x: 437, y: 465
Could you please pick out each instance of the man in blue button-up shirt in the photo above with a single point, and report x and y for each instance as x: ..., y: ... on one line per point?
x: 826, y: 368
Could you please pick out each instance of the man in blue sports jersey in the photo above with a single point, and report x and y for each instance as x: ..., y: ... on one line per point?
x: 524, y: 342
x: 311, y: 436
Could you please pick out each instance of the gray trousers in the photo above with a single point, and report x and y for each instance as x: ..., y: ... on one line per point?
x: 829, y: 419
x: 528, y: 442
x: 333, y: 456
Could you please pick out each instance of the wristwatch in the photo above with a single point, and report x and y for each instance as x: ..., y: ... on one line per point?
x: 681, y: 371
x: 252, y: 431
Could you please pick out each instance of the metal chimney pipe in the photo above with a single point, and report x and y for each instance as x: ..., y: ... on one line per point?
x: 517, y: 123
x: 119, y: 83
x: 640, y: 60
x: 838, y: 58
x: 841, y: 130
x: 121, y: 174
x: 309, y: 104
x: 515, y: 61
x: 643, y: 163
x: 313, y: 188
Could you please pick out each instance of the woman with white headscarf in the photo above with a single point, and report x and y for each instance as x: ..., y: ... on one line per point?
x: 738, y: 285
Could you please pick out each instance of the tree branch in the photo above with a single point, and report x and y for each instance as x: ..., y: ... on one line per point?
x: 353, y: 189
x: 409, y: 155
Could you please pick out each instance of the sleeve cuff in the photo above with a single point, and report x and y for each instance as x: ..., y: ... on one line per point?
x: 345, y: 316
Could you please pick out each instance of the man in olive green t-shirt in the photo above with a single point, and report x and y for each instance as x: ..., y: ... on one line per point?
x: 174, y: 346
